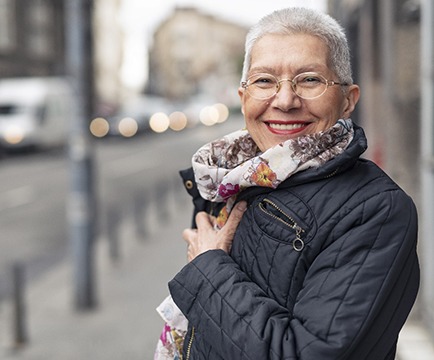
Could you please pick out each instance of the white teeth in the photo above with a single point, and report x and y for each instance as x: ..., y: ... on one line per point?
x: 285, y: 126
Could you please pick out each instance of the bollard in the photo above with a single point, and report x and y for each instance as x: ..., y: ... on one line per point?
x: 19, y: 309
x: 113, y: 233
x: 162, y: 201
x: 139, y: 211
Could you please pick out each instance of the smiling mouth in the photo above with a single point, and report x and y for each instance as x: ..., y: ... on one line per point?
x: 279, y: 127
x: 286, y: 127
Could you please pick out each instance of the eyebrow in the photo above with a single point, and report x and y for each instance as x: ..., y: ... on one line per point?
x: 314, y: 67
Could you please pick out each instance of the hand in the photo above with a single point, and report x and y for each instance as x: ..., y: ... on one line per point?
x: 205, y: 238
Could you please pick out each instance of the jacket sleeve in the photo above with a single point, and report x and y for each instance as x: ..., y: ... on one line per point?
x: 355, y: 297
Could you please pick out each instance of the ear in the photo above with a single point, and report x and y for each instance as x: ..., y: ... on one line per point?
x: 241, y: 94
x: 352, y: 96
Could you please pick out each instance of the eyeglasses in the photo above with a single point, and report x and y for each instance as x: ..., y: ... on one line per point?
x: 308, y: 85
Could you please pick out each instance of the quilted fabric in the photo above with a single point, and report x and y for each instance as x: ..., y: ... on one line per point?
x: 322, y: 268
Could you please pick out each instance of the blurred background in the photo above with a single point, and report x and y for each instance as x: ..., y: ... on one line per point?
x: 102, y: 102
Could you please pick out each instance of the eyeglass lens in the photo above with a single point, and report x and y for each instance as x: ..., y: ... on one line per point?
x: 305, y: 85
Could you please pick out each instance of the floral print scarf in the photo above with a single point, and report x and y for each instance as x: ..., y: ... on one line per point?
x: 225, y: 167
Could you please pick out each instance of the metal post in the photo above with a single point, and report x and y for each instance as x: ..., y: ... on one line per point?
x: 19, y: 317
x: 113, y: 233
x: 81, y: 204
x: 139, y: 211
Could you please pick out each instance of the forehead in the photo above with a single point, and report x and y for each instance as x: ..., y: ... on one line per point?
x: 290, y: 53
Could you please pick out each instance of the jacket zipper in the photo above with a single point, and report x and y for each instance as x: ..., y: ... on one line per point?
x: 297, y: 243
x: 190, y: 343
x: 333, y: 173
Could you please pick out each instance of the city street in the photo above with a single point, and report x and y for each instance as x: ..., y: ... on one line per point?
x: 86, y: 256
x: 142, y: 209
x: 128, y: 173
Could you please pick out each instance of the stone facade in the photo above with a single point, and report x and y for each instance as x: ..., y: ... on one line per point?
x: 195, y: 53
x: 32, y: 43
x: 31, y: 38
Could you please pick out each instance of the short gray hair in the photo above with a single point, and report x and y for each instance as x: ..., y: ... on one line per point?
x: 298, y: 20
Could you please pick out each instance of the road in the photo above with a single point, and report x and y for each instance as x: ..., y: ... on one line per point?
x: 34, y: 189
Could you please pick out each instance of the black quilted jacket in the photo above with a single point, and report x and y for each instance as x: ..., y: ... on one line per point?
x: 322, y: 268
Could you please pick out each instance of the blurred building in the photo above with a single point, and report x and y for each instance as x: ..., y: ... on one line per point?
x: 31, y: 38
x: 195, y: 53
x: 108, y: 53
x: 385, y: 40
x: 388, y: 54
x: 32, y: 43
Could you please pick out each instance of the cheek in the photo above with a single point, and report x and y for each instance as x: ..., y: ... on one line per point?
x: 327, y: 111
x: 252, y: 113
x: 253, y: 109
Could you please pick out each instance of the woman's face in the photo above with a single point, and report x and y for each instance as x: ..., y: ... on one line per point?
x: 285, y: 115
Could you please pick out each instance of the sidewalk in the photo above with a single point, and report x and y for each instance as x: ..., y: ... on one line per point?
x: 415, y: 343
x: 125, y: 324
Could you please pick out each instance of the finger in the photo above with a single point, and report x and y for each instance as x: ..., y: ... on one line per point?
x: 189, y: 234
x: 235, y: 217
x: 203, y: 220
x: 190, y: 255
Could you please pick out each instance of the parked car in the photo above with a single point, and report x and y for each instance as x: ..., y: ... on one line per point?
x: 34, y: 112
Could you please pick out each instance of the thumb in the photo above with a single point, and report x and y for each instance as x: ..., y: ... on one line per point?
x: 235, y: 218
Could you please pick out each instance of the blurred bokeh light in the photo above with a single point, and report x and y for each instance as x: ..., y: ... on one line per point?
x: 99, y: 127
x: 128, y: 127
x: 159, y: 122
x: 178, y: 121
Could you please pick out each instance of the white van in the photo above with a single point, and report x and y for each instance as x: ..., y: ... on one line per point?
x: 34, y: 112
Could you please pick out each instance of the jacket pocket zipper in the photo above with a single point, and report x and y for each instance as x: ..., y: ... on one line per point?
x: 297, y: 243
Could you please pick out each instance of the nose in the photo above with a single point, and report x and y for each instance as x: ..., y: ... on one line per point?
x: 285, y: 98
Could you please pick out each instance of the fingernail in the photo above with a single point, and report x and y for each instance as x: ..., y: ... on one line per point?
x: 242, y: 205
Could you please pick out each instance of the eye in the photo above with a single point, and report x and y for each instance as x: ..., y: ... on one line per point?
x: 309, y: 80
x: 262, y: 80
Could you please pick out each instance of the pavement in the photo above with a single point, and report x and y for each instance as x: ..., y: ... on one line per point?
x: 415, y: 342
x: 124, y: 325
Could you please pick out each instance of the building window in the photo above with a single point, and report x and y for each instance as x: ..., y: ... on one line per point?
x: 7, y: 25
x: 40, y: 28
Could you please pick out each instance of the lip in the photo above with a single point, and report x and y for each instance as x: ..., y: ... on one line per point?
x: 286, y: 127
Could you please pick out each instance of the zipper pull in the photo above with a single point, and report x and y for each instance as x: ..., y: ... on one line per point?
x: 298, y: 243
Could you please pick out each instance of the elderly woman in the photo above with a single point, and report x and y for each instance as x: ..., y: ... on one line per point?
x: 303, y: 250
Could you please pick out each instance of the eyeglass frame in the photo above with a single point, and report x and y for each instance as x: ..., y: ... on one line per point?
x: 328, y: 83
